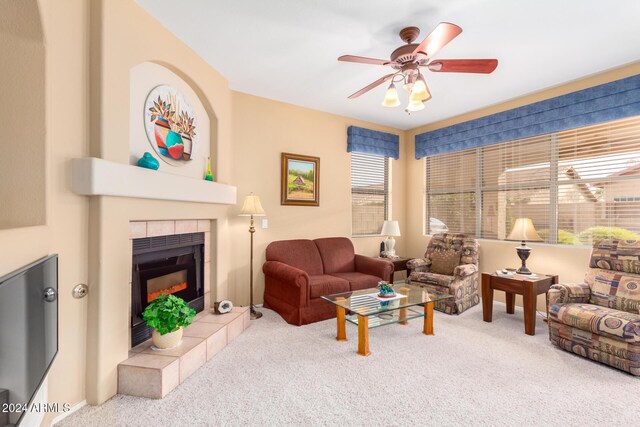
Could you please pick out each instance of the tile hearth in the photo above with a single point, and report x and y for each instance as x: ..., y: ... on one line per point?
x: 154, y: 373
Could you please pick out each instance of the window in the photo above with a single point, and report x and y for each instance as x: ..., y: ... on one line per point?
x: 576, y: 186
x: 369, y: 193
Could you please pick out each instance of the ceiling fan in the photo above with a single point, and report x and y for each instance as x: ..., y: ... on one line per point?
x: 407, y: 61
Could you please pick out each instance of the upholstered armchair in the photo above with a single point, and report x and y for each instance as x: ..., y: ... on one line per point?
x: 600, y: 318
x: 450, y: 266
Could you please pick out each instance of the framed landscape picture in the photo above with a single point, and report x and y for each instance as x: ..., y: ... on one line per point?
x: 300, y: 180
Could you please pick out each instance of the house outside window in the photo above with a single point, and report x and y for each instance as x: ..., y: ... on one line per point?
x: 577, y: 186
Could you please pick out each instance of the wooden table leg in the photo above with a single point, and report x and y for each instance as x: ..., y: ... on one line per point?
x: 342, y: 324
x: 487, y: 298
x: 511, y: 302
x: 363, y: 336
x: 427, y: 329
x: 529, y: 300
x: 403, y: 311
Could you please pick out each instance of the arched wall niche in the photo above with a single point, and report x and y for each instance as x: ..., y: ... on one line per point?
x: 22, y: 115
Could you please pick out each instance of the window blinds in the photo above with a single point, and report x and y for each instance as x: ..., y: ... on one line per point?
x: 576, y: 185
x: 369, y: 193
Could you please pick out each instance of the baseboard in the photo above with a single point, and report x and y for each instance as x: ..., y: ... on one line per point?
x: 64, y: 415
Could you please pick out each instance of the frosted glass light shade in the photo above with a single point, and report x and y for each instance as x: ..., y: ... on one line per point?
x: 419, y: 91
x: 251, y: 206
x: 523, y: 230
x: 391, y: 97
x: 415, y: 106
x: 390, y: 228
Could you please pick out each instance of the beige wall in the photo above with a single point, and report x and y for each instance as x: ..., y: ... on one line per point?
x: 262, y: 130
x: 568, y: 262
x: 65, y: 231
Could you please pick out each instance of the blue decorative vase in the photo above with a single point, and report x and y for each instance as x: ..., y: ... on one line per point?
x: 148, y: 161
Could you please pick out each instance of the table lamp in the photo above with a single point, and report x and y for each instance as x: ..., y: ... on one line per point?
x: 524, y: 230
x: 252, y: 207
x: 390, y: 229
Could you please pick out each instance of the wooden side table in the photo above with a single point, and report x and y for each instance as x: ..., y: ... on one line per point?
x: 399, y: 264
x: 528, y: 287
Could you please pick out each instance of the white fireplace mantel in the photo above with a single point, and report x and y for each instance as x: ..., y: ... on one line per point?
x: 97, y: 177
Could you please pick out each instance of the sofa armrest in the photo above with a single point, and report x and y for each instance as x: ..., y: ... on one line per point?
x: 568, y: 293
x: 378, y: 267
x: 287, y: 283
x: 465, y: 270
x: 419, y: 265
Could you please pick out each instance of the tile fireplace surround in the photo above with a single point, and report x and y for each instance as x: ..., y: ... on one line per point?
x: 152, y: 373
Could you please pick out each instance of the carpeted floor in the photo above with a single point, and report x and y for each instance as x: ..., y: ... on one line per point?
x: 469, y: 373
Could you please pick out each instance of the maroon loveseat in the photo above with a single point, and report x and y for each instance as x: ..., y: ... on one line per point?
x: 298, y: 272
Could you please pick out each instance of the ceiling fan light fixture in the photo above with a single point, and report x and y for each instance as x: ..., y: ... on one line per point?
x: 391, y: 97
x: 419, y: 91
x: 415, y: 106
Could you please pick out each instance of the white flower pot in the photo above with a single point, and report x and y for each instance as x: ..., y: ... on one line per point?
x: 166, y: 341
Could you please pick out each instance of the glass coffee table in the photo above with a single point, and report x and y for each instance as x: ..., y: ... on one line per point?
x: 366, y: 310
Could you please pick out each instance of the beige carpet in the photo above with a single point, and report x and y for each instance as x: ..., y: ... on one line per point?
x: 469, y: 373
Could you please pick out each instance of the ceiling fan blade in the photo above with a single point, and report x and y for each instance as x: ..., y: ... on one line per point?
x: 443, y: 34
x: 372, y: 85
x: 481, y: 66
x: 363, y: 60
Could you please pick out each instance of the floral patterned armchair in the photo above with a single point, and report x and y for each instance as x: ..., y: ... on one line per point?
x: 450, y: 265
x: 600, y: 318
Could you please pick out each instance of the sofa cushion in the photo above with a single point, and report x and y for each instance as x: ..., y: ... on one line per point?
x: 617, y: 255
x: 444, y: 261
x: 325, y: 284
x: 359, y: 281
x: 301, y: 254
x: 600, y: 320
x: 337, y: 253
x: 614, y: 289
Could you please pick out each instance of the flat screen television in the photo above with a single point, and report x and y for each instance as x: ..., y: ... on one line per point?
x: 28, y: 333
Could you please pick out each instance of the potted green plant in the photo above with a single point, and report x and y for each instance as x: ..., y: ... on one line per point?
x: 167, y: 315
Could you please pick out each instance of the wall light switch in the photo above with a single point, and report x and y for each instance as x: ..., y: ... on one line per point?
x: 265, y: 223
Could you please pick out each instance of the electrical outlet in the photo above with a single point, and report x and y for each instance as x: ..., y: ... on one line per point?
x: 265, y: 223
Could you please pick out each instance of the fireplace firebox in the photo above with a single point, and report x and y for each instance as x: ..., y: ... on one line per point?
x: 165, y: 264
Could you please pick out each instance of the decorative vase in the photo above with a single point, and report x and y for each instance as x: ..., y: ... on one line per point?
x: 148, y: 161
x: 160, y: 131
x: 174, y: 145
x: 166, y: 341
x: 208, y: 176
x: 188, y: 145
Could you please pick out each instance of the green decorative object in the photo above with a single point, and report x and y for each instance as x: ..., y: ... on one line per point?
x: 168, y: 313
x: 208, y: 176
x: 385, y: 290
x: 148, y: 161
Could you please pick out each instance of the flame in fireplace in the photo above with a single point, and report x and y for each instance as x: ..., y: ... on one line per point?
x: 170, y: 290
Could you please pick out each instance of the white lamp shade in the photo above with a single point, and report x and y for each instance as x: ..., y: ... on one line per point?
x: 390, y: 228
x: 523, y: 229
x: 252, y: 206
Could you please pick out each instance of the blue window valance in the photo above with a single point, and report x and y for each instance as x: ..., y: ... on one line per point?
x: 598, y: 104
x: 361, y: 140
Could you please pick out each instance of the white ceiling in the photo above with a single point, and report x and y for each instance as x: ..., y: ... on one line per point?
x: 287, y: 50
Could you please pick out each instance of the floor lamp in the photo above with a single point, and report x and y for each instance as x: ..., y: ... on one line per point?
x: 252, y: 207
